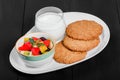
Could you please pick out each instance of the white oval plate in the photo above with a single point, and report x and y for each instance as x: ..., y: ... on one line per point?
x: 69, y: 17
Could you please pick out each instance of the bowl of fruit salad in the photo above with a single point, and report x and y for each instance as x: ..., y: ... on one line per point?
x: 36, y: 49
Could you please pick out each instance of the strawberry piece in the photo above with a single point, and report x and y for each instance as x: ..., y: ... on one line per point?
x: 35, y: 51
x: 46, y: 42
x: 35, y: 38
x: 26, y: 46
x: 29, y: 45
x: 23, y: 48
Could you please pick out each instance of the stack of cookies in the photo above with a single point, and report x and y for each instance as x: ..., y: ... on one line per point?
x: 81, y: 36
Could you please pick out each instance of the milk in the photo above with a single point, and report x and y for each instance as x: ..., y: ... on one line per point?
x: 50, y: 18
x: 51, y: 23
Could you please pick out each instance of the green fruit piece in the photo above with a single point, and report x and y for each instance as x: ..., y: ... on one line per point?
x: 43, y: 48
x: 40, y: 44
x: 31, y: 41
x: 27, y: 53
x: 34, y: 45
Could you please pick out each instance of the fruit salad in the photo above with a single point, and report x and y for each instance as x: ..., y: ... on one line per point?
x: 35, y: 46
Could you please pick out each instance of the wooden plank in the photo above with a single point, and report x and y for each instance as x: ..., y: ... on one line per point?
x: 81, y: 5
x: 11, y: 17
x: 118, y: 8
x: 63, y: 74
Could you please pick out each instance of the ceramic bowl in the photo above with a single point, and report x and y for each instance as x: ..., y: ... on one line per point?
x: 40, y: 60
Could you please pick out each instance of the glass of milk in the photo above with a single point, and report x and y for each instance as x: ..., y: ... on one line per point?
x: 50, y: 20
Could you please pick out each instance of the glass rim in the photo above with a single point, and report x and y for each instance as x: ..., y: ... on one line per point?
x: 49, y: 9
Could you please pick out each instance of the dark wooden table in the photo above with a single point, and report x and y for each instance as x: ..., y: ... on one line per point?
x: 17, y: 17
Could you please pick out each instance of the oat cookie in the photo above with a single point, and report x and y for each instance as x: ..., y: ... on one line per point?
x: 80, y: 45
x: 84, y: 30
x: 64, y: 55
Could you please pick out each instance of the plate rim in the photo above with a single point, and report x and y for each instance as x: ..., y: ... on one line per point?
x: 105, y: 44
